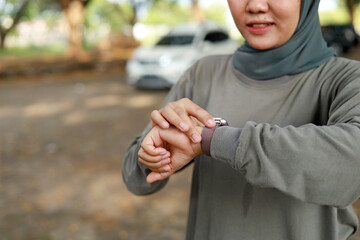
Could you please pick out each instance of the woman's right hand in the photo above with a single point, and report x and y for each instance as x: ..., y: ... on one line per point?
x: 179, y: 114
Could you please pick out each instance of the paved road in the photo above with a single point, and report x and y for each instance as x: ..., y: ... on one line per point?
x: 61, y: 146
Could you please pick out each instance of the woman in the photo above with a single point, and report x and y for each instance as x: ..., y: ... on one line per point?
x: 287, y: 166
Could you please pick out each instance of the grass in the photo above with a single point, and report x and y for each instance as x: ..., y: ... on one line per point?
x: 33, y: 51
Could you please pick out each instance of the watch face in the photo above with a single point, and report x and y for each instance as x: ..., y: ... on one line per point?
x: 221, y: 122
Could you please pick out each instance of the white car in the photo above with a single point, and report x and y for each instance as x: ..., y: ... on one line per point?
x: 160, y: 66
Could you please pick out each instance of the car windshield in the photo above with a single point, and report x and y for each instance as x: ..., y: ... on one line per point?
x: 172, y: 40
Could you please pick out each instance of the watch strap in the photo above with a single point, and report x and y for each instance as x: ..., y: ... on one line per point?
x: 206, y: 137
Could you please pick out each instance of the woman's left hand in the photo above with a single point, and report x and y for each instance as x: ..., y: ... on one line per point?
x: 161, y: 145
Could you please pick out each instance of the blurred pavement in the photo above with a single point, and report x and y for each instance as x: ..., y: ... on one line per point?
x: 61, y: 145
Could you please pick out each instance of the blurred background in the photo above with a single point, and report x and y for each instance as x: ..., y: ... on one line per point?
x: 68, y: 111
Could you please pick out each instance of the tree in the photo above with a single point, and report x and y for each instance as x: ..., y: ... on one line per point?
x: 351, y: 4
x: 74, y: 11
x: 102, y: 12
x: 135, y: 5
x: 216, y: 12
x: 198, y: 13
x: 167, y: 13
x: 11, y: 13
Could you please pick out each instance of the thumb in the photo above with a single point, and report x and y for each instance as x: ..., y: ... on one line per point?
x: 156, y: 176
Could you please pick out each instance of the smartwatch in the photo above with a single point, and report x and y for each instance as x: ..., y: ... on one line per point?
x: 221, y: 122
x: 207, y: 134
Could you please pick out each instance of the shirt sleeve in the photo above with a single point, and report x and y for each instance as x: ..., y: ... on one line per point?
x: 134, y: 174
x: 225, y: 136
x: 316, y: 164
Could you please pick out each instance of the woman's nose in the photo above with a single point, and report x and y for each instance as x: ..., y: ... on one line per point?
x: 257, y: 6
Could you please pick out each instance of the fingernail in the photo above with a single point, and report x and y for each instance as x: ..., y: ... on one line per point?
x: 183, y: 126
x: 166, y: 156
x: 165, y: 161
x: 211, y: 122
x: 166, y: 168
x: 163, y: 152
x: 196, y: 137
x: 165, y: 124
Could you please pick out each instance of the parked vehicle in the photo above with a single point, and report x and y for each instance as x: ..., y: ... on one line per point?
x: 340, y: 37
x: 160, y: 66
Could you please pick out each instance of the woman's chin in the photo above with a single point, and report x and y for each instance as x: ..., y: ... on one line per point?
x: 264, y: 43
x: 262, y: 46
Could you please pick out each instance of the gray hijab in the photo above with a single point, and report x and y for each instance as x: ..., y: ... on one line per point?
x: 305, y: 50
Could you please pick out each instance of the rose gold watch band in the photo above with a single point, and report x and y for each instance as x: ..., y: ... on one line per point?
x: 207, y: 135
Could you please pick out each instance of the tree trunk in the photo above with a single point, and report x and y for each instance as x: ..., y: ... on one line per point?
x: 75, y: 15
x: 198, y: 14
x: 351, y: 6
x: 2, y: 40
x: 133, y: 19
x: 16, y: 20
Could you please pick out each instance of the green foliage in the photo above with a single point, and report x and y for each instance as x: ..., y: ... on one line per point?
x: 216, y: 12
x: 8, y: 10
x: 357, y: 15
x: 171, y: 13
x: 33, y: 51
x: 168, y: 13
x: 31, y: 11
x: 338, y: 16
x: 102, y: 12
x: 35, y: 9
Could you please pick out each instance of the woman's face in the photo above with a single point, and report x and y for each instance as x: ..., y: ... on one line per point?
x: 266, y: 24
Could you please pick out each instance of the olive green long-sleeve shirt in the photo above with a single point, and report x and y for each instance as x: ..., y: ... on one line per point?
x: 287, y: 168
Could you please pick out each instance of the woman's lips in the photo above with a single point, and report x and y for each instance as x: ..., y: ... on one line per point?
x: 259, y: 28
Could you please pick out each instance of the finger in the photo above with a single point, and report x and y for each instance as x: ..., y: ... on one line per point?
x: 196, y: 122
x: 192, y: 133
x: 156, y: 176
x: 181, y: 120
x: 153, y: 155
x: 201, y: 114
x: 172, y: 114
x: 148, y: 145
x: 166, y: 168
x: 152, y: 142
x: 151, y: 164
x: 158, y: 119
